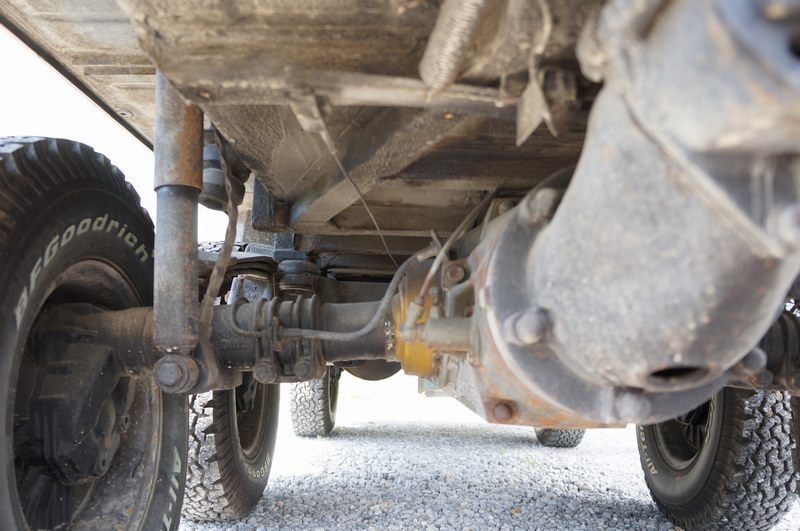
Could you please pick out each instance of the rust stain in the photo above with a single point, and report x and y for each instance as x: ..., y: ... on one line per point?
x: 188, y: 169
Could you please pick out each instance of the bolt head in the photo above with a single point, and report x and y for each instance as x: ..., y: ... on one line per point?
x: 175, y: 373
x: 302, y: 369
x: 265, y: 373
x: 455, y: 273
x: 527, y: 328
x: 502, y: 412
x: 169, y: 374
x: 765, y: 378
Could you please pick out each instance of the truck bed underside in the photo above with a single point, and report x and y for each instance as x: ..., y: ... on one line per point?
x: 422, y: 158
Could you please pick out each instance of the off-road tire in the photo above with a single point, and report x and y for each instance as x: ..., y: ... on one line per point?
x: 559, y: 438
x: 743, y: 475
x: 72, y: 230
x: 314, y: 403
x: 225, y: 481
x: 795, y: 430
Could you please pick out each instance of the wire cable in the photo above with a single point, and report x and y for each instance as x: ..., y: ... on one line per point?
x: 326, y: 138
x: 221, y: 265
x: 465, y: 224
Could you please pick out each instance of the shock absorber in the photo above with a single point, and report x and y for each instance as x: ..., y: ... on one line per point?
x: 178, y: 150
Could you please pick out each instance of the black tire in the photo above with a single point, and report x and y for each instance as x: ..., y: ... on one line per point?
x: 726, y: 464
x: 795, y: 430
x: 314, y: 404
x: 230, y: 452
x: 559, y: 438
x: 72, y: 230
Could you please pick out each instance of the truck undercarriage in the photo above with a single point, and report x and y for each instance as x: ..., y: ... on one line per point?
x: 564, y: 214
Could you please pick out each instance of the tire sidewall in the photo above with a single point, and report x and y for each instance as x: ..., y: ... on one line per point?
x: 51, y: 235
x: 333, y: 375
x: 795, y: 431
x: 681, y: 489
x: 253, y: 474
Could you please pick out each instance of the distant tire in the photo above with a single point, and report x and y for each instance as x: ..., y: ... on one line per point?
x: 726, y: 464
x: 559, y: 438
x: 314, y: 404
x: 231, y: 449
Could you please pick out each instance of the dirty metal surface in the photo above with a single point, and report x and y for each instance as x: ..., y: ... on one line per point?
x: 178, y: 140
x: 94, y: 45
x: 241, y: 61
x: 660, y: 309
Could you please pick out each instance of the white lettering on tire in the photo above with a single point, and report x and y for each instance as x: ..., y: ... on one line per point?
x: 173, y: 488
x: 649, y: 465
x: 59, y: 241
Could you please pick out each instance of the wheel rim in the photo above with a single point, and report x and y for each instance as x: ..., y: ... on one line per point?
x: 682, y: 439
x: 251, y: 423
x: 46, y: 499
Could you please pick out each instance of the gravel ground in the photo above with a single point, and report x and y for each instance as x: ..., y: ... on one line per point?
x: 397, y: 460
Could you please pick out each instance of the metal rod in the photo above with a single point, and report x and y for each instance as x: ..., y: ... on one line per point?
x: 453, y: 334
x: 353, y: 89
x: 343, y: 317
x: 178, y: 150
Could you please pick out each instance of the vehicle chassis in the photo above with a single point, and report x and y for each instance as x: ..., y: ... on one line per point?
x: 708, y: 226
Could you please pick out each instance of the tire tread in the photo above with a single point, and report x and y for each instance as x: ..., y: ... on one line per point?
x: 310, y: 408
x: 206, y: 498
x: 555, y: 438
x: 753, y: 480
x: 27, y: 168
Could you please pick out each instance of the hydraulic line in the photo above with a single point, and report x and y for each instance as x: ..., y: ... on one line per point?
x: 376, y: 319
